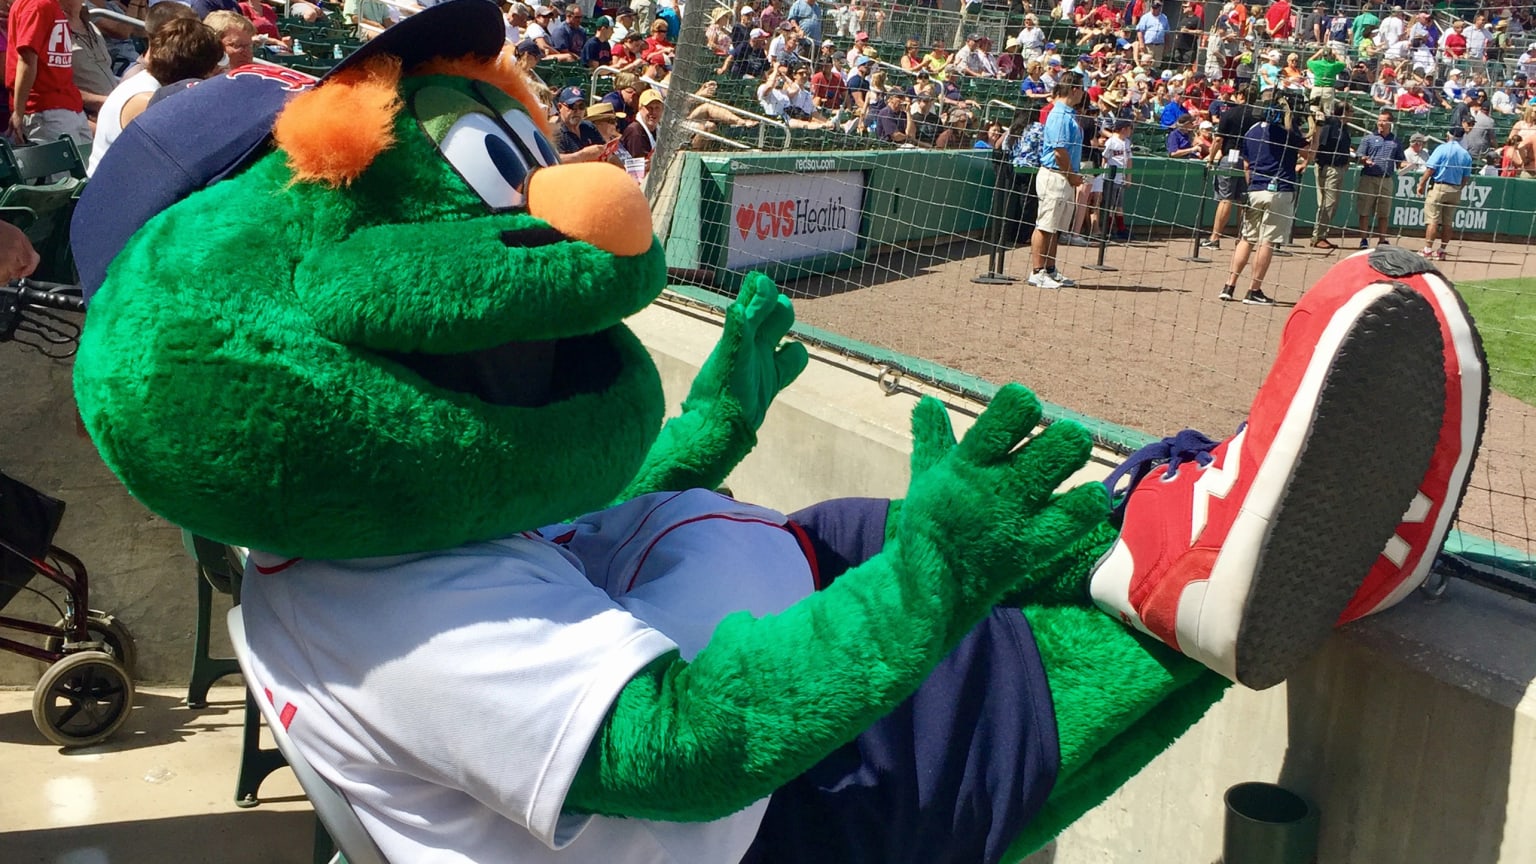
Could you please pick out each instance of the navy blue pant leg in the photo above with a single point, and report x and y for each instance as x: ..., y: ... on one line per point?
x: 951, y: 775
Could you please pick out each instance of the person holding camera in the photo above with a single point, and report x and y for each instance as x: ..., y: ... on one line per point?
x: 1274, y: 151
x: 1335, y: 150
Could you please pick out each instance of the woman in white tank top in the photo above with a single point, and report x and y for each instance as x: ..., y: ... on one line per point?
x: 178, y: 49
x: 113, y: 116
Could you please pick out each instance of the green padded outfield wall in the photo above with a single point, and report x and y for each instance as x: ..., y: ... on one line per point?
x: 793, y: 215
x: 790, y: 215
x: 1166, y: 192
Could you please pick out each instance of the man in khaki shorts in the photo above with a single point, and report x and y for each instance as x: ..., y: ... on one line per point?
x: 1061, y: 155
x: 1448, y: 170
x: 1381, y: 156
x: 1272, y: 150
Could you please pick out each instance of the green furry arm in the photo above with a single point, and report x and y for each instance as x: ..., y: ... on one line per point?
x: 730, y: 396
x: 767, y: 698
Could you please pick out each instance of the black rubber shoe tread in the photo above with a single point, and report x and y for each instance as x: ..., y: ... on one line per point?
x: 1399, y: 262
x: 1372, y: 436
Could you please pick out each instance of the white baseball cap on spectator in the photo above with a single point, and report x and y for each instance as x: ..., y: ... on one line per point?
x: 746, y: 10
x: 828, y: 43
x: 758, y: 33
x: 1206, y: 124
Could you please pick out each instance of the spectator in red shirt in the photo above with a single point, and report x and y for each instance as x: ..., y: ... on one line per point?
x: 1412, y: 99
x: 1454, y: 45
x: 629, y: 54
x: 658, y: 39
x: 828, y: 87
x: 45, y: 103
x: 1278, y: 19
x: 264, y: 17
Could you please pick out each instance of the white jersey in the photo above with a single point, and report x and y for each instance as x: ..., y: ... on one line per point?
x: 452, y: 696
x: 109, y: 118
x: 1117, y: 152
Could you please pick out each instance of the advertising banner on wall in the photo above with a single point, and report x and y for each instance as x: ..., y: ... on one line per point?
x: 785, y: 217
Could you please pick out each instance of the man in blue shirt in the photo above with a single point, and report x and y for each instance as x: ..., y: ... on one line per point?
x: 598, y: 52
x: 1181, y: 144
x: 807, y: 16
x: 1448, y: 170
x: 566, y: 35
x: 1380, y: 156
x: 1152, y: 32
x: 1061, y: 157
x: 1271, y: 152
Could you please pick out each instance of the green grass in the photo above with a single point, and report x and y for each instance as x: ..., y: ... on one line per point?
x: 1505, y: 310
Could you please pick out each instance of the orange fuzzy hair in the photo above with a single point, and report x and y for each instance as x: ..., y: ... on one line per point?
x: 333, y: 132
x: 322, y: 150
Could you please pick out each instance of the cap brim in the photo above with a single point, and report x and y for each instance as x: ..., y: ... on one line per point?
x: 453, y: 29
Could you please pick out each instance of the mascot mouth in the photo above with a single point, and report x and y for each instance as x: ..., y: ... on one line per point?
x: 522, y: 374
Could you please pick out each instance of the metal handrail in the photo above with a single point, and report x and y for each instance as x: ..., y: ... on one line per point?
x: 721, y: 138
x: 987, y: 114
x: 761, y: 119
x: 119, y: 17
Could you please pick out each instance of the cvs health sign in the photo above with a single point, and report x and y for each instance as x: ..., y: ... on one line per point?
x: 785, y: 217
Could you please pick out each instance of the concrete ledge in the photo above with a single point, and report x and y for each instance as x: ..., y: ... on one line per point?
x: 1412, y: 732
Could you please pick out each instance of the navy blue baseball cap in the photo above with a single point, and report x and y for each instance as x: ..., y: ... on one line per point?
x: 214, y: 128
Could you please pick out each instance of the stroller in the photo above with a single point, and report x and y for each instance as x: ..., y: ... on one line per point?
x: 86, y: 692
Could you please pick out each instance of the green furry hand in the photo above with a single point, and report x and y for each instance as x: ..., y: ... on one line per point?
x: 748, y: 366
x: 730, y: 396
x: 984, y: 509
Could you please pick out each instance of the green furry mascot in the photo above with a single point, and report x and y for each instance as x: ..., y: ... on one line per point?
x: 372, y: 329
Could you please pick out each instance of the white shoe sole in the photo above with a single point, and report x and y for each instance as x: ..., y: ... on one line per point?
x: 1310, y: 529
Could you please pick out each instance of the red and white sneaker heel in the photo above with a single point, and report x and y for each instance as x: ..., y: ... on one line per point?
x: 1243, y: 554
x: 1405, y: 562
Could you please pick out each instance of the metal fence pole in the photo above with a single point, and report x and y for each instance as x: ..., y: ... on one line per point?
x: 689, y: 71
x: 1194, y: 256
x: 1109, y: 179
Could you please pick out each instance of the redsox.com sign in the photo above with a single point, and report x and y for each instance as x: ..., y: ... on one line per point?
x: 785, y: 217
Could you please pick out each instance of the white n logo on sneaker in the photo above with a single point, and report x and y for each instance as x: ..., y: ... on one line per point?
x: 1217, y: 481
x: 1397, y: 548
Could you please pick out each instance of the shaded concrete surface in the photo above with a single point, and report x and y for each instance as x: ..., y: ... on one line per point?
x: 135, y: 562
x: 1149, y: 345
x: 161, y: 790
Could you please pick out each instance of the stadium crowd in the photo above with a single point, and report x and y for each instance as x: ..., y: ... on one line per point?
x: 1341, y: 82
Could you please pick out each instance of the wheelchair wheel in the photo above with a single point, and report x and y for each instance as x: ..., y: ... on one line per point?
x: 109, y: 631
x: 82, y: 699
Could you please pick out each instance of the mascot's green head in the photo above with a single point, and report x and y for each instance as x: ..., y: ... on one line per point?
x: 368, y: 317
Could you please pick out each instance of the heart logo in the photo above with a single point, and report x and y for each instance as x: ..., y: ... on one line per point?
x: 745, y: 216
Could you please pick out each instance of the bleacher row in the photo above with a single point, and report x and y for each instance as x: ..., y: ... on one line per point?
x: 324, y: 43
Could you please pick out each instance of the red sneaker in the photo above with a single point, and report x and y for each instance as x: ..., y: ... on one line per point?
x: 1242, y: 555
x: 1405, y: 562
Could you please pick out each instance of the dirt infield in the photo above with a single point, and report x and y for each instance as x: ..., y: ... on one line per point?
x: 1149, y: 345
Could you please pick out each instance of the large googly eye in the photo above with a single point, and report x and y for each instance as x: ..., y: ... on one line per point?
x: 489, y: 161
x: 533, y: 140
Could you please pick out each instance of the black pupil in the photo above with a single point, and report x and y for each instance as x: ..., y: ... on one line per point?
x: 506, y: 161
x: 548, y: 152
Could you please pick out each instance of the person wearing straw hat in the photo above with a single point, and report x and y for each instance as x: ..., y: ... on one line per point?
x: 718, y: 34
